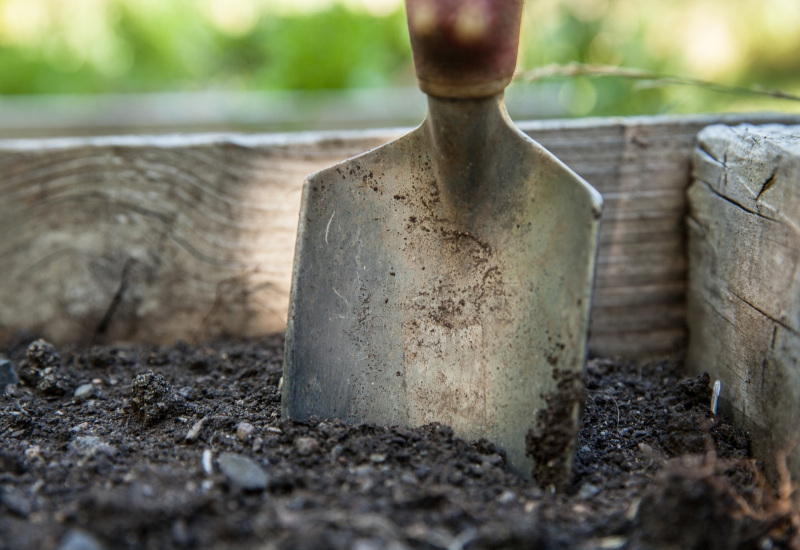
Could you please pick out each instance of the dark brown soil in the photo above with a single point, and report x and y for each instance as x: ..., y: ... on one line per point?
x: 184, y: 447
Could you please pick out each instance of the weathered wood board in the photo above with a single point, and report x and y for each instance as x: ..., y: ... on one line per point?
x: 153, y: 239
x: 744, y: 280
x: 159, y: 238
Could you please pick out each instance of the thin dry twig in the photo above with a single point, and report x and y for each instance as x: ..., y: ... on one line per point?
x: 653, y: 79
x: 617, y: 406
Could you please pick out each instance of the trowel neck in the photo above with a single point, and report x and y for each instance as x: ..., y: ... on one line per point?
x: 460, y: 129
x: 462, y: 135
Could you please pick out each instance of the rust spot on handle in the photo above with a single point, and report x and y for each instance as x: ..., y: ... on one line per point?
x: 464, y: 48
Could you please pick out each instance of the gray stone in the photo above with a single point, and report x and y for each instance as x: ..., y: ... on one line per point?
x: 88, y: 446
x: 180, y: 533
x: 84, y: 391
x: 242, y: 472
x: 8, y: 376
x: 369, y: 544
x: 588, y: 491
x: 408, y: 479
x: 188, y: 393
x: 305, y: 445
x: 16, y: 502
x: 78, y: 539
x: 507, y: 497
x: 244, y: 430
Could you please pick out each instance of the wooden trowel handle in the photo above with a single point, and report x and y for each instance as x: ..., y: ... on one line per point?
x: 464, y: 48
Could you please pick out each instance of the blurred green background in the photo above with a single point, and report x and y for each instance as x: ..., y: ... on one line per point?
x: 303, y: 47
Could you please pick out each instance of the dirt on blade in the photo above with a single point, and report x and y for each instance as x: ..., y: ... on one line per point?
x: 183, y: 447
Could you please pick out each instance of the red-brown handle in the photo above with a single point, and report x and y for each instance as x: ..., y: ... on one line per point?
x: 464, y: 48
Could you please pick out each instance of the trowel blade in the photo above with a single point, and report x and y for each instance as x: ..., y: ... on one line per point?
x: 405, y: 310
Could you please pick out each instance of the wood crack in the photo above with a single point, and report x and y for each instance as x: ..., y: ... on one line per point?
x: 778, y: 322
x: 716, y: 310
x: 701, y: 147
x: 735, y: 203
x: 116, y: 300
x: 767, y: 185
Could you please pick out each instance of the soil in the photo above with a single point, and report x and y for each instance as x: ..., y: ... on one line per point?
x: 183, y: 446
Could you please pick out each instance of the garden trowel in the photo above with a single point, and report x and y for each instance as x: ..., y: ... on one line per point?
x: 446, y: 276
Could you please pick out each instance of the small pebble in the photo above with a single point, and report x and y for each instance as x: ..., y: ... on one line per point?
x: 612, y: 543
x: 305, y: 445
x: 90, y: 446
x: 180, y: 533
x: 244, y: 430
x: 408, y: 478
x: 84, y: 391
x: 147, y: 491
x: 78, y: 539
x: 194, y: 432
x: 378, y: 458
x: 83, y: 426
x: 507, y: 497
x: 34, y: 452
x: 369, y: 544
x: 188, y: 393
x: 588, y: 491
x: 242, y: 472
x: 647, y: 451
x: 365, y: 470
x: 17, y: 503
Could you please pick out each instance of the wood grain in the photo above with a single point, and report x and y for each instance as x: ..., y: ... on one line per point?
x: 158, y: 238
x: 154, y: 239
x: 642, y: 168
x: 744, y: 283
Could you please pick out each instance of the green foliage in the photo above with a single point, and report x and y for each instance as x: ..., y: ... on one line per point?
x: 130, y: 46
x: 331, y: 49
x: 176, y: 47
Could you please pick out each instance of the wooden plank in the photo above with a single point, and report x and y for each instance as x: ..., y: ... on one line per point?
x: 744, y: 284
x: 154, y: 239
x: 158, y: 238
x: 642, y: 168
x: 629, y: 344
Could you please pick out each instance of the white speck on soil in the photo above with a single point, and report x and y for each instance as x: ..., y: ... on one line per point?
x: 242, y: 472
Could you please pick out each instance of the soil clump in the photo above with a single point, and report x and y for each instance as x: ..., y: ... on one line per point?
x: 183, y: 446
